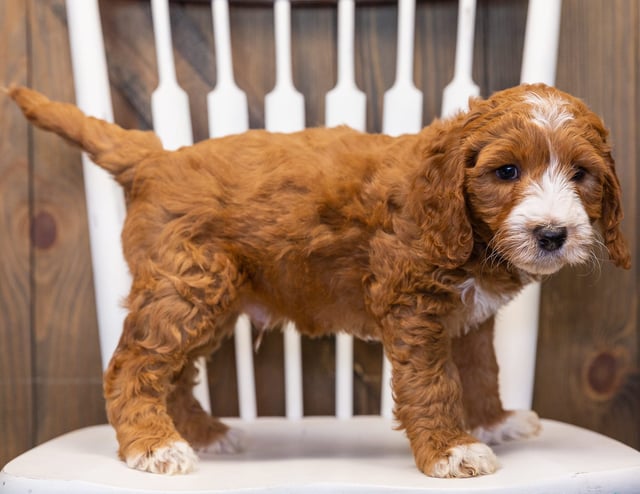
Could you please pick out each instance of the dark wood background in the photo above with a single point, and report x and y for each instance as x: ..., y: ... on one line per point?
x: 50, y: 374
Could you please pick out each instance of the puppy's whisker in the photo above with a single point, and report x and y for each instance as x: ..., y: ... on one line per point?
x: 597, y: 255
x: 491, y: 258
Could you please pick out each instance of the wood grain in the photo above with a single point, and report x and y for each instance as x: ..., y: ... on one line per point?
x: 501, y: 27
x: 588, y: 363
x: 16, y: 359
x: 588, y: 355
x: 67, y: 366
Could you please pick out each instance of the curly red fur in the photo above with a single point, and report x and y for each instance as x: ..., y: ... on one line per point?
x: 408, y: 240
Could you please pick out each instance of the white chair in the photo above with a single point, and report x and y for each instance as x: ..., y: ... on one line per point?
x: 311, y: 454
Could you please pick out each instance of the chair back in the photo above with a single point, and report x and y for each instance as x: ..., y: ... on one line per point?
x: 516, y: 325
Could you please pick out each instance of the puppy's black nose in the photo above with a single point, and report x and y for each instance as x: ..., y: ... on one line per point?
x: 550, y: 238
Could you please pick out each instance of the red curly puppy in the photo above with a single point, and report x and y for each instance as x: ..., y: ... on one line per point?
x: 415, y: 241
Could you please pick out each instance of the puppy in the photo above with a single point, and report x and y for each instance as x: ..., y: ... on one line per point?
x: 415, y: 241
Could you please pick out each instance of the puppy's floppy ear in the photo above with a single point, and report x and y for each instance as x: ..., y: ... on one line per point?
x: 611, y: 192
x: 612, y: 217
x: 437, y: 199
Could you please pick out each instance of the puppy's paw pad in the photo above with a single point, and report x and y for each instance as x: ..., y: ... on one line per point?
x: 176, y: 458
x: 519, y: 424
x: 466, y: 460
x: 231, y: 442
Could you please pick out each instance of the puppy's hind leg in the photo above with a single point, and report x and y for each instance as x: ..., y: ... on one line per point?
x: 171, y: 317
x: 203, y: 432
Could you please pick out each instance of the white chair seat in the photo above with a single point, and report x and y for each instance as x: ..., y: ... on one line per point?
x: 343, y: 453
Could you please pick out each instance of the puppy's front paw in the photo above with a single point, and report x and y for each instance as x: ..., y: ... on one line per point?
x: 465, y: 460
x: 176, y: 458
x: 519, y: 424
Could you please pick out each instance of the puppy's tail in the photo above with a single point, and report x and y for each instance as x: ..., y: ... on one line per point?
x: 113, y: 148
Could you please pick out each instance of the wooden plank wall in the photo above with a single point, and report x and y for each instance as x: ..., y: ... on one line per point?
x: 589, y: 355
x: 16, y: 389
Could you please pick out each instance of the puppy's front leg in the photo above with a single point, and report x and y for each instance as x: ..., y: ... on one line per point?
x: 428, y: 397
x: 475, y: 359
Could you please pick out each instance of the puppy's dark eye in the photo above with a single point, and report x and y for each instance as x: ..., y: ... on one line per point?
x: 508, y: 172
x: 578, y: 174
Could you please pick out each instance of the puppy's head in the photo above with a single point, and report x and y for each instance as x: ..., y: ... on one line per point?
x: 540, y: 180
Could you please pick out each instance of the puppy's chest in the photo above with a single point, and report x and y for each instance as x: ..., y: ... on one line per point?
x: 477, y: 304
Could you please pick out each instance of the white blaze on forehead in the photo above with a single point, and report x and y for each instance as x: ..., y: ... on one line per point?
x: 553, y: 200
x: 549, y: 112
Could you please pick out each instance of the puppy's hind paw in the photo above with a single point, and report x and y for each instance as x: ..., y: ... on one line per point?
x: 176, y: 458
x: 466, y: 460
x: 231, y: 442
